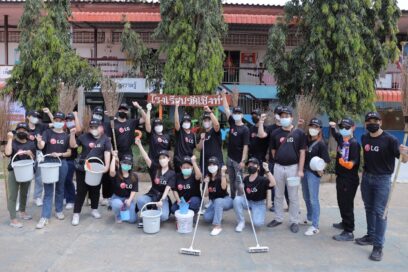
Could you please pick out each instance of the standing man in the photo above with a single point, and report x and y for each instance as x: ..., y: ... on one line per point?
x: 238, y: 142
x: 288, y: 150
x: 380, y: 151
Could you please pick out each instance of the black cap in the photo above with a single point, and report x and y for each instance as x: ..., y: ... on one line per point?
x: 23, y: 126
x: 186, y: 118
x: 164, y: 153
x: 127, y: 159
x: 124, y: 106
x: 253, y: 160
x: 34, y: 113
x: 256, y: 112
x: 98, y: 110
x: 285, y: 109
x: 213, y: 160
x: 372, y: 115
x: 206, y: 115
x: 187, y: 159
x: 70, y: 116
x: 316, y: 122
x: 59, y: 115
x: 94, y: 123
x: 346, y: 122
x: 157, y: 121
x: 237, y: 110
x: 277, y: 110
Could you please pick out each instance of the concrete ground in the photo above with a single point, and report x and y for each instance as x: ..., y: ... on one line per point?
x: 102, y: 245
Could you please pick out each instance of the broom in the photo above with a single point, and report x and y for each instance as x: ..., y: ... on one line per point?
x: 68, y: 98
x: 306, y: 107
x: 86, y: 118
x: 112, y: 101
x: 4, y: 129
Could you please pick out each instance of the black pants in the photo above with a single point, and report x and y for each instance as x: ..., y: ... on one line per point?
x: 346, y: 188
x: 82, y: 190
x: 107, y: 186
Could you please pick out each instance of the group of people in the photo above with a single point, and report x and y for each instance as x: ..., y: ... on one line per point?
x: 270, y: 155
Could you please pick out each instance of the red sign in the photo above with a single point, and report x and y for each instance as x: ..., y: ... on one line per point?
x: 249, y: 58
x: 187, y: 100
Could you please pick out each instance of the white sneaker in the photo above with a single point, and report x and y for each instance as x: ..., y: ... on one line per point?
x: 105, y: 202
x: 311, y: 231
x: 38, y: 202
x: 240, y: 226
x: 75, y: 219
x: 69, y: 206
x: 216, y: 231
x: 17, y: 225
x: 42, y: 223
x: 60, y: 215
x: 95, y: 213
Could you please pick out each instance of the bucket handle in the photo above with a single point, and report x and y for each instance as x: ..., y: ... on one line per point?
x: 12, y: 160
x: 94, y: 158
x: 49, y: 155
x: 150, y: 203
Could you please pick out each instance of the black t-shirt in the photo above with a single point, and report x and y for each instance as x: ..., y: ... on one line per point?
x: 215, y: 190
x: 380, y: 153
x: 288, y: 145
x: 55, y: 142
x: 187, y: 188
x: 256, y: 190
x: 18, y: 146
x: 354, y: 155
x: 212, y: 146
x: 125, y: 134
x: 316, y: 149
x: 107, y: 128
x: 122, y: 187
x: 238, y: 138
x: 92, y: 147
x: 38, y: 130
x: 185, y: 144
x: 160, y: 181
x: 158, y: 143
x: 258, y: 147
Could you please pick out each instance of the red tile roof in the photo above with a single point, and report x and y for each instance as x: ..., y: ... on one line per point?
x: 388, y: 95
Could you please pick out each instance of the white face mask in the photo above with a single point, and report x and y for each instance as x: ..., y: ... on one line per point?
x: 213, y: 169
x: 33, y: 120
x: 95, y: 132
x: 186, y: 125
x: 207, y: 124
x: 237, y: 117
x: 313, y: 132
x: 158, y: 129
x: 164, y: 162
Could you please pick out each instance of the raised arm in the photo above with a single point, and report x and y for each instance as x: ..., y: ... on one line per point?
x: 176, y: 117
x: 78, y: 126
x: 143, y: 152
x: 9, y: 146
x: 148, y: 123
x: 261, y: 130
x: 48, y: 112
x: 140, y: 109
x: 225, y: 104
x: 268, y: 175
x: 72, y: 140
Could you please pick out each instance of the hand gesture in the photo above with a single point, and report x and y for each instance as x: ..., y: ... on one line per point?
x: 224, y: 91
x: 207, y: 179
x: 149, y: 106
x: 202, y: 136
x: 207, y: 109
x: 138, y: 142
x: 115, y: 154
x: 263, y: 118
x: 177, y: 104
x: 75, y: 113
x: 136, y: 104
x: 10, y: 135
x: 128, y: 202
x: 55, y: 154
x: 38, y: 137
x: 223, y: 169
x: 301, y: 122
x: 332, y: 124
x: 159, y: 204
x: 193, y: 158
x: 242, y: 165
x: 46, y: 110
x: 72, y: 131
x: 265, y: 166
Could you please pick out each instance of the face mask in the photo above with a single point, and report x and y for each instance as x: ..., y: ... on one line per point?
x: 255, y: 119
x: 213, y: 169
x: 373, y: 128
x: 187, y: 172
x: 97, y: 117
x: 126, y: 167
x: 58, y: 125
x: 286, y: 122
x: 313, y: 132
x: 158, y: 129
x: 22, y: 135
x: 186, y: 125
x: 277, y: 117
x: 122, y: 114
x: 345, y: 132
x: 237, y: 117
x: 95, y: 133
x: 164, y: 162
x: 70, y: 124
x: 207, y: 124
x: 33, y: 120
x: 252, y: 169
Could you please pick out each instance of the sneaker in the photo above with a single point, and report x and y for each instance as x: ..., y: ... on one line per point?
x: 272, y: 209
x: 338, y: 226
x: 344, y: 236
x: 240, y: 226
x: 307, y: 222
x: 118, y: 221
x: 104, y: 202
x: 38, y: 202
x: 216, y: 231
x: 365, y: 241
x: 25, y: 216
x: 16, y: 225
x: 60, y: 216
x: 311, y: 231
x: 274, y: 223
x: 69, y: 206
x: 42, y: 223
x: 140, y: 224
x: 95, y: 213
x: 294, y: 228
x: 377, y: 254
x: 75, y: 219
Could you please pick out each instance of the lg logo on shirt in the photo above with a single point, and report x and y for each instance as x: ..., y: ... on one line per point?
x: 54, y: 141
x: 253, y: 135
x: 251, y: 190
x: 233, y: 132
x: 92, y: 145
x: 160, y: 181
x: 371, y: 148
x: 162, y: 140
x: 182, y: 187
x: 124, y: 129
x: 190, y: 141
x: 212, y: 189
x: 31, y: 137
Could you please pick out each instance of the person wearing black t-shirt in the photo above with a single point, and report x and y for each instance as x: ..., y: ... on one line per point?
x: 288, y: 147
x: 55, y: 142
x: 125, y: 186
x: 26, y: 149
x: 255, y: 189
x: 217, y: 192
x: 163, y: 181
x: 99, y: 114
x: 380, y: 151
x: 347, y: 181
x: 316, y: 148
x: 185, y: 138
x: 93, y: 144
x: 188, y: 185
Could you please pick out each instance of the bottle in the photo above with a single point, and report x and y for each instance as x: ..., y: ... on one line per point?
x: 345, y: 150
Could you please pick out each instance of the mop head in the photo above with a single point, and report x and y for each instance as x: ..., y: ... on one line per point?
x: 258, y: 249
x: 190, y: 251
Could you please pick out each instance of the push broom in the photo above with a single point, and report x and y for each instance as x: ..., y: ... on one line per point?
x: 257, y: 248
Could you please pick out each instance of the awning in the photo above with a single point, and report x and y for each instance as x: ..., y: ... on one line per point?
x: 261, y: 92
x: 388, y: 95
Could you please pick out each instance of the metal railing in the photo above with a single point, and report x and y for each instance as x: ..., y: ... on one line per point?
x: 247, y: 75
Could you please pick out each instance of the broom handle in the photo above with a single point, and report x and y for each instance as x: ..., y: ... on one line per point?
x: 395, y: 179
x: 112, y: 122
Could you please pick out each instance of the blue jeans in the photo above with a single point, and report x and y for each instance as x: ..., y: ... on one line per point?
x: 69, y: 192
x: 194, y: 202
x: 258, y: 210
x: 38, y: 186
x: 217, y: 206
x: 59, y: 192
x: 375, y: 190
x: 143, y: 199
x: 310, y: 189
x: 233, y: 172
x: 117, y: 203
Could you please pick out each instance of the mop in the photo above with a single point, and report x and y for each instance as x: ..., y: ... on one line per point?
x: 257, y: 248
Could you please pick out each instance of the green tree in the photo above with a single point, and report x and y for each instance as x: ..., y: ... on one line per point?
x: 342, y: 47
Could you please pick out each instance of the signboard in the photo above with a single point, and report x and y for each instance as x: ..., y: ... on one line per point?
x: 248, y: 58
x: 132, y: 85
x: 5, y: 72
x: 384, y: 82
x: 187, y: 100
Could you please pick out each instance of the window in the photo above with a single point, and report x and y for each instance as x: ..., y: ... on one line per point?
x: 245, y: 39
x: 146, y: 37
x: 88, y: 37
x: 13, y: 36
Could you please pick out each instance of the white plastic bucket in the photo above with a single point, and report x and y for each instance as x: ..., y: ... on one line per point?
x: 93, y: 176
x: 151, y: 219
x: 23, y: 169
x: 50, y: 170
x: 317, y: 164
x: 293, y: 181
x: 184, y: 221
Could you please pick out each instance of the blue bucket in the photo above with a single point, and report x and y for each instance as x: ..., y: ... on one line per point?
x: 183, y: 206
x: 125, y: 215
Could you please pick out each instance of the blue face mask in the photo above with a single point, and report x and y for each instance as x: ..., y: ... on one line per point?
x: 187, y: 172
x: 70, y: 124
x: 58, y: 125
x: 286, y: 122
x: 345, y: 132
x: 126, y: 167
x: 237, y: 117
